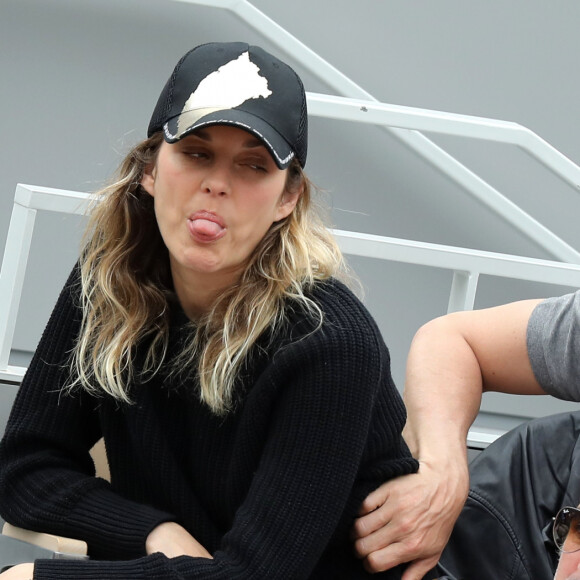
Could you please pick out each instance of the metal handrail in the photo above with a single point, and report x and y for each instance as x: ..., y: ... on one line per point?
x: 364, y: 111
x: 28, y: 199
x: 466, y: 264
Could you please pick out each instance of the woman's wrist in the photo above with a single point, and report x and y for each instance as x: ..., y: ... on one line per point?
x: 174, y: 540
x: 19, y: 572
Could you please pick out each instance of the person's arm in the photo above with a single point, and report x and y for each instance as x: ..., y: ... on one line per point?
x: 452, y: 360
x: 168, y: 538
x: 47, y: 478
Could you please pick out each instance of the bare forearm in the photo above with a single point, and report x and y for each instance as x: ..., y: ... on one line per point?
x: 443, y: 390
x: 452, y: 360
x: 173, y: 540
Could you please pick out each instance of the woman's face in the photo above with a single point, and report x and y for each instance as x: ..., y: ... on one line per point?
x: 216, y: 193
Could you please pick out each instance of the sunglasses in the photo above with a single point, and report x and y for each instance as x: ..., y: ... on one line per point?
x: 566, y: 529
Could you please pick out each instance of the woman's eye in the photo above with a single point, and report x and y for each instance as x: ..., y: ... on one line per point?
x: 197, y: 154
x: 259, y: 166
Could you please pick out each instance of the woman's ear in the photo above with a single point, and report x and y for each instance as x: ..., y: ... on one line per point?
x: 148, y: 179
x: 287, y: 203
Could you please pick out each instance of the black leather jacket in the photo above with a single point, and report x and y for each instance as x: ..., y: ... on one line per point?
x: 517, y: 485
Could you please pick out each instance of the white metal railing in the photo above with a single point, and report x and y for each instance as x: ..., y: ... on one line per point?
x: 362, y: 111
x: 409, y: 135
x: 480, y: 437
x: 465, y: 264
x: 27, y: 200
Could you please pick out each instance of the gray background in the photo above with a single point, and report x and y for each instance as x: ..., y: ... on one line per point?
x: 79, y: 80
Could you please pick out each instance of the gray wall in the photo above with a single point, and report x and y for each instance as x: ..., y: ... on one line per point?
x: 80, y: 79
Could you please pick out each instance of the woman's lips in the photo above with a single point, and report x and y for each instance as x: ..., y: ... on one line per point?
x: 205, y: 226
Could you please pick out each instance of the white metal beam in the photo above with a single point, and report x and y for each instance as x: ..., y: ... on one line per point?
x: 51, y: 199
x: 361, y: 111
x: 12, y: 374
x: 481, y: 437
x: 27, y: 200
x: 364, y: 111
x: 463, y: 290
x: 459, y: 259
x: 12, y: 275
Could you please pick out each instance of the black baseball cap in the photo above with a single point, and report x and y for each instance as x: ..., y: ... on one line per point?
x: 233, y: 83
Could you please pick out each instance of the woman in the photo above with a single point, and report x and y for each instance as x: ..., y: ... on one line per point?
x: 243, y: 393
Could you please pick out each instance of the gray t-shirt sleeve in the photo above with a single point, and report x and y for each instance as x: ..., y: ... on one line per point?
x: 553, y: 340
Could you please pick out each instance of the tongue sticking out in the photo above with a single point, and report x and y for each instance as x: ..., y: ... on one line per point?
x: 206, y: 229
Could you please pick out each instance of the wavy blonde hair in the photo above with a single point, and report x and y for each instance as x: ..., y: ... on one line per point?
x: 126, y: 290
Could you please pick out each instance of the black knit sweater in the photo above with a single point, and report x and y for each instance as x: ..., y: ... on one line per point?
x: 271, y: 489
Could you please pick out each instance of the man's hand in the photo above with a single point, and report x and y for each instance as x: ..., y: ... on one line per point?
x: 410, y: 518
x: 173, y: 540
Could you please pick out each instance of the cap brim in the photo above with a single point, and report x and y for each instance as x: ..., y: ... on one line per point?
x: 276, y: 144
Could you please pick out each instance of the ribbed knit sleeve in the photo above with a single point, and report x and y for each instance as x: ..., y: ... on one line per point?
x: 47, y: 478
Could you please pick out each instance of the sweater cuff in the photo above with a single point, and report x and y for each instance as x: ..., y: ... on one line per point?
x: 152, y: 567
x: 114, y: 527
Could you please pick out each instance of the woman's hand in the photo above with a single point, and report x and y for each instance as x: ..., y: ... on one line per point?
x: 19, y: 572
x: 172, y: 540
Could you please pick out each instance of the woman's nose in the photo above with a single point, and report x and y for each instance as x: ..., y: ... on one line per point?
x: 216, y: 181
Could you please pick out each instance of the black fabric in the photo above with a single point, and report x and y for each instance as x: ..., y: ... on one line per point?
x: 271, y: 489
x: 517, y: 485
